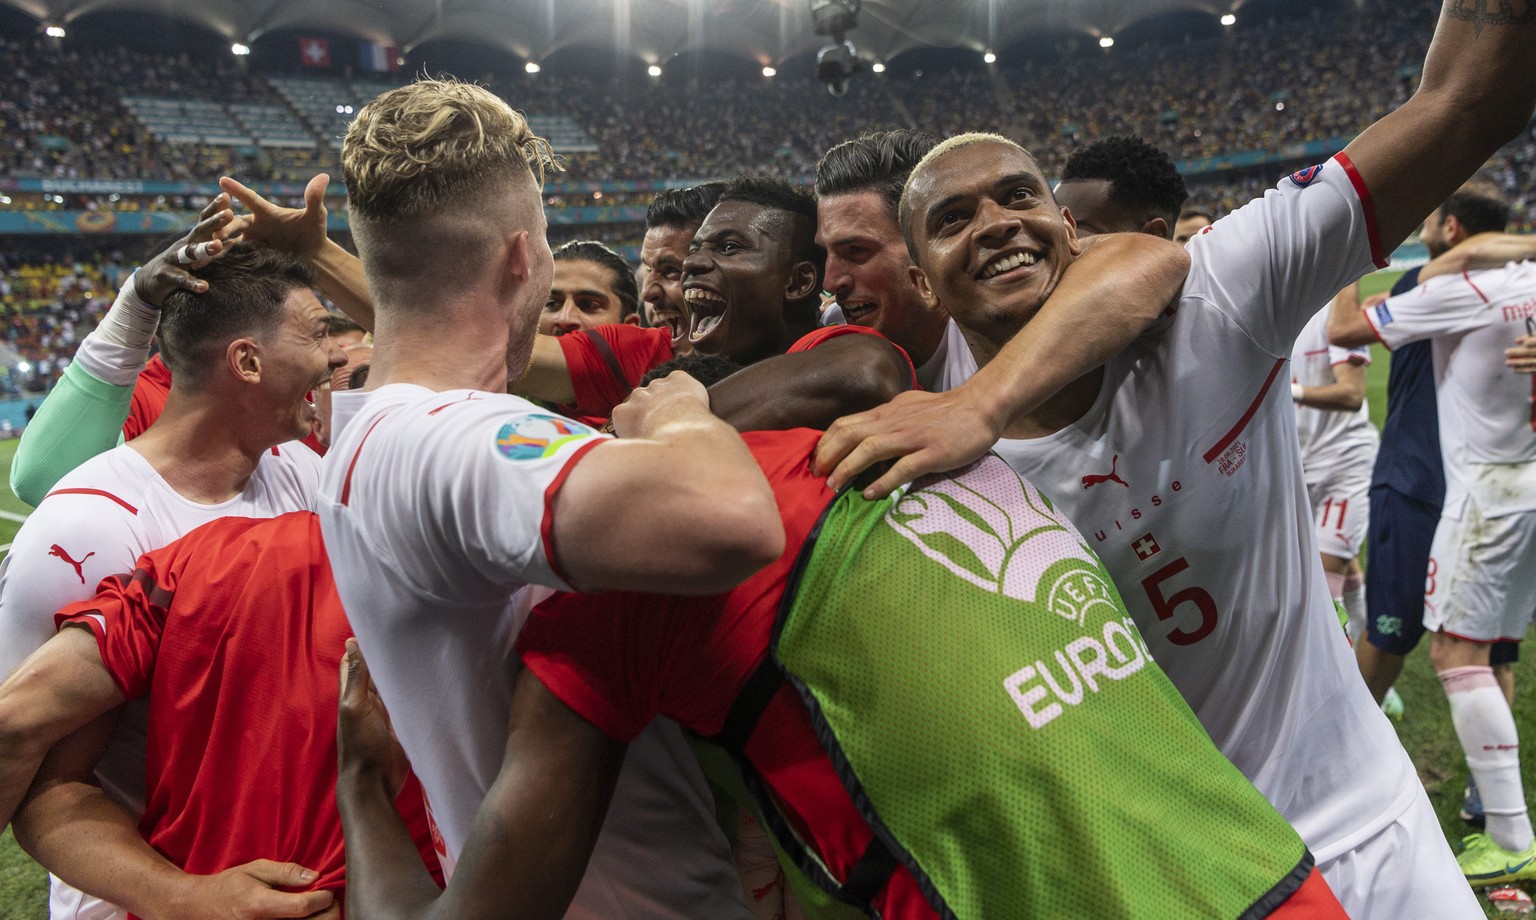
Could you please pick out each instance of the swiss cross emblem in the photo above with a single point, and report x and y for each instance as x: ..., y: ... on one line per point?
x: 1146, y: 547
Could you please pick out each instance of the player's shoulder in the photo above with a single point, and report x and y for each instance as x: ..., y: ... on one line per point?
x: 115, y: 481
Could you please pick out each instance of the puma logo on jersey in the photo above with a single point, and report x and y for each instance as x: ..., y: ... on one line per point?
x: 57, y: 550
x: 1093, y: 479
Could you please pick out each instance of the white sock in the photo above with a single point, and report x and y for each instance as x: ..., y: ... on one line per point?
x: 1486, y: 728
x: 1354, y: 605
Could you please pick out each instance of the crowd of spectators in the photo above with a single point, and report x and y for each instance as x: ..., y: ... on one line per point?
x: 48, y: 307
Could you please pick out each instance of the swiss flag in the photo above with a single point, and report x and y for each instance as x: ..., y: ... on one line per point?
x: 314, y: 52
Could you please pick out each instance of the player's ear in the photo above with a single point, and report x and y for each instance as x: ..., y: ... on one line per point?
x: 1074, y: 245
x: 1157, y: 227
x: 804, y: 281
x: 244, y: 359
x: 516, y: 265
x: 1452, y: 230
x: 924, y: 290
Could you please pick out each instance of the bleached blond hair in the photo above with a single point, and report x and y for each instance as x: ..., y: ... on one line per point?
x: 436, y: 143
x: 940, y: 150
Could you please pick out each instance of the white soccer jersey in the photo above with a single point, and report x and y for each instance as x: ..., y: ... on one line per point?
x: 1330, y: 438
x: 1487, y: 413
x: 96, y: 523
x: 951, y: 365
x: 435, y: 512
x: 1186, y: 477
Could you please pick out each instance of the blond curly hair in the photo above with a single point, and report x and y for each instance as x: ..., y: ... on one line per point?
x: 432, y: 143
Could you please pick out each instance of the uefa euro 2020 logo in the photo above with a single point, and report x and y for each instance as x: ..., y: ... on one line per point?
x: 535, y: 436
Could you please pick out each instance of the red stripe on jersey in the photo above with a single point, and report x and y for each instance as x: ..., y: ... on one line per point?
x: 1468, y: 279
x: 454, y: 403
x: 131, y: 509
x: 346, y: 484
x: 547, y: 526
x: 1481, y: 641
x: 1226, y: 441
x: 1367, y: 208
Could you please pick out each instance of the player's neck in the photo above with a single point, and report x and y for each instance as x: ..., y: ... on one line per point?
x: 465, y: 356
x: 202, y: 450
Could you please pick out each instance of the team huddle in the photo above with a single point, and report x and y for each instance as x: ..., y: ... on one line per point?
x: 1008, y: 583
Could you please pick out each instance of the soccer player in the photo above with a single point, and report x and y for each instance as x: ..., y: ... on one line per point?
x: 1122, y: 184
x: 593, y: 286
x: 443, y: 497
x: 844, y: 710
x: 671, y: 220
x: 1180, y: 457
x: 210, y: 631
x: 1338, y: 450
x: 1408, y: 481
x: 245, y: 355
x: 1482, y: 561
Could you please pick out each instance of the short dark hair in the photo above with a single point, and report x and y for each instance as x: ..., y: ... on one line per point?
x: 781, y: 196
x: 706, y: 369
x: 624, y: 286
x: 1187, y: 213
x: 1479, y: 206
x: 247, y: 286
x: 879, y: 162
x: 683, y: 207
x: 1140, y: 176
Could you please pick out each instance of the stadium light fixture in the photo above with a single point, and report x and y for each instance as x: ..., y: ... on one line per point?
x: 1106, y: 42
x: 531, y: 67
x: 769, y: 72
x: 54, y: 31
x: 239, y: 50
x: 1229, y: 20
x: 653, y: 70
x: 989, y: 57
x: 878, y: 67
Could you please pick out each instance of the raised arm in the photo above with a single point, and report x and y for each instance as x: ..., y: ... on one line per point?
x: 713, y: 509
x: 1483, y: 251
x: 812, y: 389
x: 548, y: 377
x: 1110, y: 294
x: 531, y: 839
x: 301, y: 231
x: 83, y: 415
x: 1347, y: 325
x: 1476, y: 94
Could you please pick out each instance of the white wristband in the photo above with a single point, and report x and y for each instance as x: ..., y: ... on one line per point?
x: 118, y: 348
x: 1296, y: 389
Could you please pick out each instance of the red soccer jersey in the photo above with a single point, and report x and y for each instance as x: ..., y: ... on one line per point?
x: 607, y: 362
x: 149, y: 395
x: 235, y: 633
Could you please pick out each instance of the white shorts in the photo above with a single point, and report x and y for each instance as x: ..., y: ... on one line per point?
x: 1405, y: 870
x: 1481, y: 583
x: 1341, y: 511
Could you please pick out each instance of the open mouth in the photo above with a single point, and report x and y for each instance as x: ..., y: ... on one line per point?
x: 855, y: 310
x: 707, y: 307
x: 1007, y: 263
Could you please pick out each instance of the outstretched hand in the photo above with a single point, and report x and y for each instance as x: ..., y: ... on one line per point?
x: 300, y: 231
x: 172, y: 269
x: 928, y: 432
x: 365, y: 739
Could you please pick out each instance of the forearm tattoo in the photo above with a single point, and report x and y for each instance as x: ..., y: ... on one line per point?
x: 1492, y: 12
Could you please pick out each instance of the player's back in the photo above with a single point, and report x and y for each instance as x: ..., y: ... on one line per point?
x: 434, y: 509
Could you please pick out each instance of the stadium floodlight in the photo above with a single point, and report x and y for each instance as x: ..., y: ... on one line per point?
x: 653, y: 70
x: 989, y: 58
x: 1229, y: 20
x: 531, y: 67
x: 878, y: 67
x: 54, y: 31
x: 1106, y: 42
x: 239, y: 50
x: 769, y: 71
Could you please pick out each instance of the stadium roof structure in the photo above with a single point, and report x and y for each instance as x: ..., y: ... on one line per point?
x: 653, y: 31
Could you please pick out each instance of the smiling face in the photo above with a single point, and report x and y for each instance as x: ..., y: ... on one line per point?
x: 581, y: 296
x: 740, y: 276
x: 296, y: 361
x: 991, y: 243
x: 869, y: 271
x: 662, y: 253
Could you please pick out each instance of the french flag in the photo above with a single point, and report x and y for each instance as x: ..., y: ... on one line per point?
x: 376, y: 57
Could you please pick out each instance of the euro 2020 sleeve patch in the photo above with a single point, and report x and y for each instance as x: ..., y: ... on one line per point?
x: 536, y: 436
